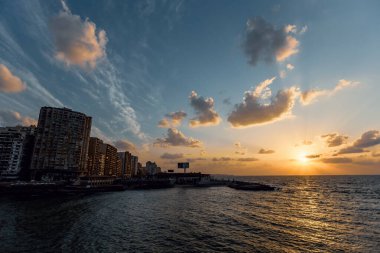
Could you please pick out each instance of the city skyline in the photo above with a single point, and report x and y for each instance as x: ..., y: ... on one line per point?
x: 274, y: 89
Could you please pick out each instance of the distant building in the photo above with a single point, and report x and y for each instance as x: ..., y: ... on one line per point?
x: 134, y: 165
x: 126, y: 163
x: 152, y: 168
x: 16, y: 148
x: 61, y: 145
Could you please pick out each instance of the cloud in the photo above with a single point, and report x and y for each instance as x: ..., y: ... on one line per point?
x: 177, y: 138
x: 368, y: 139
x: 247, y: 159
x: 77, y: 41
x: 253, y: 112
x: 171, y: 156
x: 334, y: 139
x: 221, y: 159
x: 12, y: 118
x: 10, y: 83
x: 125, y: 145
x: 204, y: 111
x: 336, y: 160
x: 263, y: 41
x: 309, y: 96
x: 227, y: 101
x: 227, y: 159
x: 172, y: 119
x: 313, y: 156
x: 191, y: 160
x: 266, y: 151
x: 375, y: 154
x: 289, y: 66
x: 240, y: 150
x: 307, y: 142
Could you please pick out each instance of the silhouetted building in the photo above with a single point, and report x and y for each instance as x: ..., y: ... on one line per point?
x: 61, y: 145
x: 96, y: 156
x: 134, y: 165
x: 126, y: 165
x: 16, y: 148
x: 152, y: 168
x: 110, y: 163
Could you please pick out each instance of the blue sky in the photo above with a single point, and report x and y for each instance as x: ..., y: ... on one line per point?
x: 155, y: 53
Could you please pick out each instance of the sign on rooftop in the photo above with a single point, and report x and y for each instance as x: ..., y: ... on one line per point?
x: 183, y: 165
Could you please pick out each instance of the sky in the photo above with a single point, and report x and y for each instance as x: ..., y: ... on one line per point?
x: 233, y: 87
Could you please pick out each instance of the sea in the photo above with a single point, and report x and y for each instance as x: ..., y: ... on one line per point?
x: 308, y: 214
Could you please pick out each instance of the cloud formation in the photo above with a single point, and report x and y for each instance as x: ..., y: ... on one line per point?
x: 12, y: 118
x: 169, y: 156
x: 336, y: 160
x: 204, y: 111
x: 263, y: 41
x: 334, y: 139
x: 221, y: 159
x: 125, y: 145
x: 10, y: 83
x: 172, y: 119
x: 368, y: 139
x: 77, y: 41
x: 177, y: 138
x: 247, y: 159
x: 309, y: 96
x: 266, y: 151
x: 253, y: 111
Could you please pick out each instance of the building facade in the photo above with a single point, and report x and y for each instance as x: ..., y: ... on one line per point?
x: 61, y: 143
x: 16, y: 148
x: 96, y: 156
x: 126, y: 163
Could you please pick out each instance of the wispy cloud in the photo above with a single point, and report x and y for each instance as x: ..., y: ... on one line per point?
x: 309, y: 96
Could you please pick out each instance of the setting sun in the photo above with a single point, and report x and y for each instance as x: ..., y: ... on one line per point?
x: 302, y: 158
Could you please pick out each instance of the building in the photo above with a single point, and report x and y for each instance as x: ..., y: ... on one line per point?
x: 126, y: 163
x: 102, y: 159
x: 134, y: 165
x: 110, y: 161
x: 152, y: 168
x: 96, y: 157
x: 61, y: 145
x: 16, y: 148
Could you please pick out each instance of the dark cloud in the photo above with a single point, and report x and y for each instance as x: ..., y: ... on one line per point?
x: 313, y: 156
x: 171, y: 156
x: 252, y: 111
x: 227, y: 101
x: 9, y: 83
x: 337, y: 160
x: 221, y: 159
x: 334, y: 139
x: 204, y: 110
x: 12, y: 118
x: 177, y: 138
x: 263, y: 41
x: 266, y: 151
x: 368, y: 139
x: 125, y: 145
x: 191, y: 160
x: 76, y: 41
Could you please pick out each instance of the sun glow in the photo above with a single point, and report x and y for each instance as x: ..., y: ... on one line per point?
x: 302, y: 158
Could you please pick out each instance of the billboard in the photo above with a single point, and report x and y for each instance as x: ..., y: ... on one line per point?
x: 183, y: 165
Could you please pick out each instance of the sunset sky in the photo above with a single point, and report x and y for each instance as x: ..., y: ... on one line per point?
x: 234, y: 87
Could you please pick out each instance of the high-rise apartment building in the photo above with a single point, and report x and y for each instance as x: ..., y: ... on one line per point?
x: 126, y: 165
x: 16, y: 147
x: 61, y: 144
x: 110, y: 163
x: 96, y: 156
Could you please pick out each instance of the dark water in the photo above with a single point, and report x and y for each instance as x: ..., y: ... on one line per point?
x: 310, y: 214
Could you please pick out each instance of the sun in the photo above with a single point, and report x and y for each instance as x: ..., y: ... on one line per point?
x: 302, y: 158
